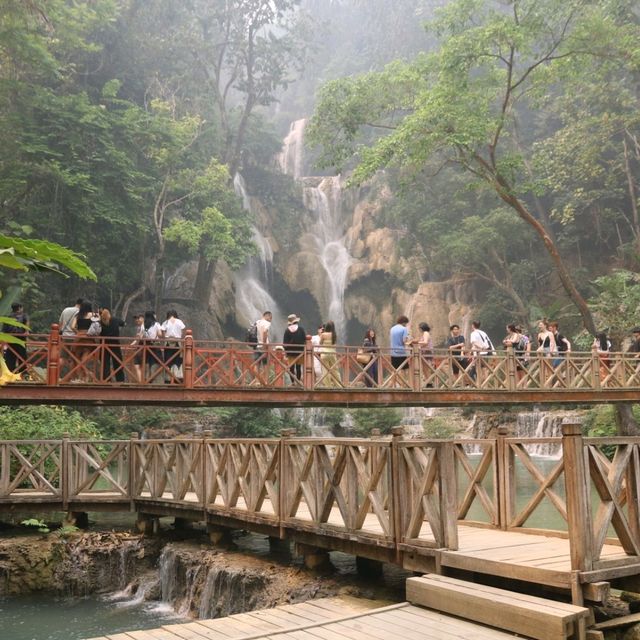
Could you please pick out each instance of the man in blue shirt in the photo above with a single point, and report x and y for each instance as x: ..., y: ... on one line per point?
x: 399, y: 339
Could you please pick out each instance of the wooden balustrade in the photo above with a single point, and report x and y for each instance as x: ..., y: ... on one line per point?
x: 194, y: 364
x: 392, y: 492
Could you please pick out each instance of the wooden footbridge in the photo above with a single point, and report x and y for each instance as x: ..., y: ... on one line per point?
x: 455, y: 507
x: 200, y: 373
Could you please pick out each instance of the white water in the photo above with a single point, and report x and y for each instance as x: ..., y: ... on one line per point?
x: 325, y: 201
x: 291, y: 157
x: 252, y: 281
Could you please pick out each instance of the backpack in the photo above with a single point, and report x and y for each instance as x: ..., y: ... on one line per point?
x: 251, y: 334
x: 521, y: 347
x: 491, y: 350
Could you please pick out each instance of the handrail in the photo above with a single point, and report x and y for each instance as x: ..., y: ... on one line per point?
x: 53, y: 361
x: 394, y: 492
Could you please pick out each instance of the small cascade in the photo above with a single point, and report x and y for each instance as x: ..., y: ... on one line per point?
x: 290, y: 159
x: 542, y: 424
x: 253, y: 280
x: 192, y: 583
x: 168, y: 566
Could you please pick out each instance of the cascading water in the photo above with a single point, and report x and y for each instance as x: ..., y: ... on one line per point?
x: 324, y: 199
x: 252, y: 281
x: 291, y: 157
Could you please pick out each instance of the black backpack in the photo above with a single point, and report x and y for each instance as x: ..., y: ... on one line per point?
x: 251, y: 335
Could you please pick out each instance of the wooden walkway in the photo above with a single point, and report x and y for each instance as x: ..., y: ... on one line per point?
x: 470, y: 506
x: 200, y: 373
x: 325, y: 619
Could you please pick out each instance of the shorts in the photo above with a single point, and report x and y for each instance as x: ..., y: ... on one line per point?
x: 400, y: 362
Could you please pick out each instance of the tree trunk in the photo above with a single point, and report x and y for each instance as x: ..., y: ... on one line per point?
x: 625, y: 420
x: 203, y: 284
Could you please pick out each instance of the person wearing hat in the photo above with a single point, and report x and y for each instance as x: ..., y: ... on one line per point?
x: 634, y: 347
x: 293, y: 341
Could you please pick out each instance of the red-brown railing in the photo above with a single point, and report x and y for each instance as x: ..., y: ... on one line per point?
x: 54, y: 360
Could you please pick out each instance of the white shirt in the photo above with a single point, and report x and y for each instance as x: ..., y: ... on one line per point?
x: 153, y: 332
x: 263, y: 331
x: 479, y: 341
x: 173, y: 328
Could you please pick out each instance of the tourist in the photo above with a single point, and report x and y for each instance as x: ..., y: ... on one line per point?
x: 263, y: 326
x: 293, y: 340
x: 86, y: 327
x: 112, y: 354
x: 317, y: 349
x: 634, y: 347
x: 331, y: 376
x: 526, y: 344
x: 399, y: 341
x: 152, y: 335
x: 67, y: 332
x: 370, y: 366
x: 481, y: 345
x: 173, y: 330
x: 546, y: 339
x: 138, y: 321
x: 563, y: 346
x: 602, y: 346
x: 517, y: 342
x: 425, y: 344
x: 456, y: 344
x: 16, y: 353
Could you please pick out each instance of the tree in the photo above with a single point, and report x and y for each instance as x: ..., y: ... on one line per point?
x: 462, y: 103
x: 465, y: 104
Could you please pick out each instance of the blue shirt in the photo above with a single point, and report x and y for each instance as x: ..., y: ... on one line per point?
x: 397, y: 336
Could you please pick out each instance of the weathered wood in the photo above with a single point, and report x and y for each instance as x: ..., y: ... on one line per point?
x: 520, y: 613
x: 578, y: 503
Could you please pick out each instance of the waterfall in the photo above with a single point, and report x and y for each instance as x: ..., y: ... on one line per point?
x: 325, y: 201
x: 541, y: 424
x: 168, y: 565
x: 291, y: 157
x: 252, y: 281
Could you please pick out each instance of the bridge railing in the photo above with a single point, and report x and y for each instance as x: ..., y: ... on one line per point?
x: 394, y: 492
x: 195, y: 364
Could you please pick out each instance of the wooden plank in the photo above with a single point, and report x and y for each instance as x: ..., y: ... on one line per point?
x: 622, y: 621
x: 528, y: 615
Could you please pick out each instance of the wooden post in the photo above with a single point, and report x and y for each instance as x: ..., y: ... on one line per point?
x: 206, y: 436
x: 595, y: 368
x: 448, y: 495
x: 53, y: 357
x: 65, y: 471
x: 188, y: 361
x: 285, y: 480
x: 512, y: 369
x: 133, y: 468
x: 578, y: 504
x: 398, y: 490
x: 415, y: 368
x: 308, y: 375
x: 504, y: 477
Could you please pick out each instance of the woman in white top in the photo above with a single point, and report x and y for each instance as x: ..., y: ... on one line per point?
x: 152, y: 334
x: 315, y: 341
x: 173, y: 329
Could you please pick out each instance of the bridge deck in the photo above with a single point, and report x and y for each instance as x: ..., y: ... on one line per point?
x: 329, y: 619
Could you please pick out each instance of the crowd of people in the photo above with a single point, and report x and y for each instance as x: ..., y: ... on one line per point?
x: 82, y: 323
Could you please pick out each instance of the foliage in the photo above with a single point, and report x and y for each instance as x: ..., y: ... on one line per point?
x: 364, y: 420
x: 439, y: 428
x: 617, y: 303
x: 44, y: 423
x: 39, y: 525
x: 252, y: 422
x: 466, y: 104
